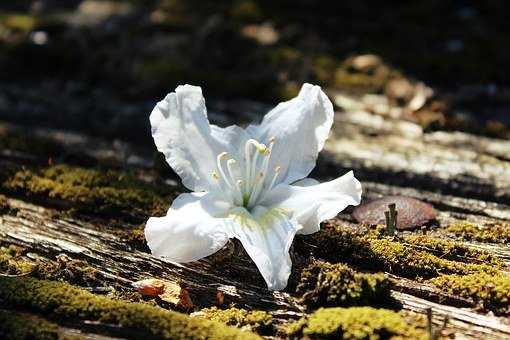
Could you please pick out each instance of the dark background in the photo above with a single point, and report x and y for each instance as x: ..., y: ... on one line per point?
x: 99, y: 66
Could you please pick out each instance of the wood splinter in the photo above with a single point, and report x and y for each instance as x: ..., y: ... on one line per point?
x: 391, y: 219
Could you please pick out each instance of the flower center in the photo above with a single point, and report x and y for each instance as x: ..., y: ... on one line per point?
x: 246, y: 186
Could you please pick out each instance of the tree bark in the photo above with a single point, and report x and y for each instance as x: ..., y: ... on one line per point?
x: 465, y: 177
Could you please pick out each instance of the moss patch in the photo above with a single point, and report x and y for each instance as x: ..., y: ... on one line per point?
x: 17, y: 22
x: 12, y: 262
x: 454, y: 251
x: 258, y: 321
x: 354, y: 323
x: 326, y: 285
x: 63, y: 301
x: 372, y: 251
x: 93, y: 191
x: 497, y: 233
x: 488, y: 292
x: 14, y: 326
x: 38, y: 146
x: 134, y: 238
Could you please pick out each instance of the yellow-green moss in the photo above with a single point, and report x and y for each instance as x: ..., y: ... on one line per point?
x: 327, y: 285
x: 15, y: 326
x: 406, y: 261
x: 17, y: 22
x: 369, y: 76
x: 454, y: 251
x: 34, y: 145
x: 354, y: 323
x: 488, y: 292
x: 69, y: 270
x: 11, y: 264
x: 63, y: 301
x: 257, y: 320
x: 498, y: 233
x: 336, y: 243
x: 90, y: 190
x: 135, y: 238
x: 62, y: 269
x: 246, y: 11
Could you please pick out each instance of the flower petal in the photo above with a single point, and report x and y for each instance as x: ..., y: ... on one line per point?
x: 300, y: 126
x: 267, y: 236
x: 306, y: 182
x: 182, y: 132
x: 312, y: 204
x: 188, y: 232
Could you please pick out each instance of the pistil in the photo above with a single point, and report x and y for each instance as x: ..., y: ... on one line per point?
x: 247, y: 192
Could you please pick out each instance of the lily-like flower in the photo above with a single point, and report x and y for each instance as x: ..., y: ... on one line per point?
x: 248, y: 184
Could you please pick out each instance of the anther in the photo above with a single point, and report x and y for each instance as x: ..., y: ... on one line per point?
x: 215, y: 175
x: 272, y: 140
x: 263, y: 149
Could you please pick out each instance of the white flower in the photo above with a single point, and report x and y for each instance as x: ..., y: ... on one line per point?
x: 248, y: 183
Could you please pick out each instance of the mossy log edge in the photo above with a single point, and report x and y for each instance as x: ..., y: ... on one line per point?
x: 104, y: 251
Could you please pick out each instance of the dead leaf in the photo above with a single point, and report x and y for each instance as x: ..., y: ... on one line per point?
x: 167, y: 291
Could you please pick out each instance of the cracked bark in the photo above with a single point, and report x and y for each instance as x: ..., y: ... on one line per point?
x: 465, y: 177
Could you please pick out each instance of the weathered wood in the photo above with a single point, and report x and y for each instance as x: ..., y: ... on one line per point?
x: 399, y: 153
x: 466, y: 324
x: 465, y: 177
x: 36, y: 228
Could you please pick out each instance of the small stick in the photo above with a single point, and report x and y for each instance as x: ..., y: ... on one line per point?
x: 429, y: 324
x: 388, y: 221
x: 391, y: 219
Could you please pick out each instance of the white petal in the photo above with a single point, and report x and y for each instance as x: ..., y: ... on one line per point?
x: 267, y: 237
x: 188, y: 232
x: 182, y: 132
x: 300, y: 126
x: 306, y: 182
x: 310, y: 205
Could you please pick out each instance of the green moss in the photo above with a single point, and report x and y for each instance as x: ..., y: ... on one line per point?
x: 246, y: 11
x: 369, y: 250
x: 163, y: 71
x: 489, y: 292
x: 498, y: 233
x: 14, y: 326
x: 63, y: 301
x: 406, y: 261
x: 34, y: 145
x: 17, y: 22
x: 258, y: 321
x: 134, y: 238
x: 102, y: 192
x: 12, y: 264
x: 354, y: 323
x: 64, y: 268
x: 324, y: 67
x: 367, y: 76
x: 454, y: 251
x: 11, y: 250
x: 327, y: 285
x: 69, y: 270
